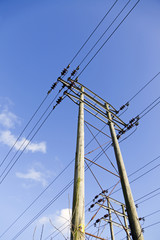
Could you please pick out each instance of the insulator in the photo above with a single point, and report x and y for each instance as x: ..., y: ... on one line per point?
x: 127, y: 104
x: 136, y: 205
x: 77, y: 68
x: 141, y: 218
x: 103, y: 191
x: 129, y: 126
x: 73, y: 72
x: 132, y: 120
x: 54, y: 85
x: 96, y: 197
x: 98, y: 220
x: 64, y: 72
x: 106, y: 215
x: 69, y: 78
x: 92, y: 205
x: 100, y: 200
x: 142, y: 230
x: 137, y: 117
x: 136, y: 123
x: 59, y: 100
x: 68, y: 66
x: 121, y: 108
x: 118, y: 136
x: 49, y: 91
x: 76, y: 80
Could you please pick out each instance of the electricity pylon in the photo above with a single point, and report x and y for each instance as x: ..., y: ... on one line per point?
x: 105, y: 112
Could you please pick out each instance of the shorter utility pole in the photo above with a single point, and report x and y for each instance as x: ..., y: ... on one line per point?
x: 78, y: 218
x: 136, y: 230
x: 110, y: 218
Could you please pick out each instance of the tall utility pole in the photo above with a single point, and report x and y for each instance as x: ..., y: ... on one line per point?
x: 105, y: 112
x: 78, y: 219
x: 130, y: 206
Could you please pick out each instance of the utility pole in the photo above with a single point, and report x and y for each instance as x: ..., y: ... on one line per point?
x: 78, y: 216
x: 110, y: 218
x: 136, y: 230
x: 106, y: 113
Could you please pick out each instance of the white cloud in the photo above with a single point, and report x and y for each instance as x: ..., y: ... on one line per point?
x: 59, y: 221
x: 9, y: 139
x: 33, y: 175
x: 8, y: 119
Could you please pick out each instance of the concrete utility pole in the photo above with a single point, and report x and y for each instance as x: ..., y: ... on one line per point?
x: 136, y: 230
x: 78, y: 217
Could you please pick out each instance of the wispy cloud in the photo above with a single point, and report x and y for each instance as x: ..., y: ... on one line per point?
x: 6, y: 137
x: 34, y: 176
x: 8, y: 119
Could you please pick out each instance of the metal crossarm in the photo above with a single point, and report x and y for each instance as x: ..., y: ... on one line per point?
x: 94, y: 104
x: 115, y: 223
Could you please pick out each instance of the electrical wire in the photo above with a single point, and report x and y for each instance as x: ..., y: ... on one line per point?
x: 23, y: 130
x: 69, y: 64
x: 157, y: 189
x: 153, y: 224
x: 25, y: 140
x: 150, y: 214
x: 29, y: 141
x: 93, y: 31
x: 45, y: 189
x: 109, y: 38
x: 35, y: 200
x: 143, y: 87
x: 44, y: 209
x: 104, y: 33
x: 150, y: 108
x: 137, y: 170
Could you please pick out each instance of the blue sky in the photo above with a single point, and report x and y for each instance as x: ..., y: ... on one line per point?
x: 38, y: 39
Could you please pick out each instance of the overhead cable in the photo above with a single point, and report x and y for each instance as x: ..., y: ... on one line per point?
x: 104, y: 33
x: 93, y: 31
x: 23, y: 130
x: 109, y: 37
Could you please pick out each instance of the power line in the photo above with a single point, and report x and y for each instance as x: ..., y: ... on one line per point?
x: 93, y: 31
x: 104, y: 33
x: 153, y: 224
x: 57, y: 196
x: 58, y: 101
x: 23, y: 130
x: 105, y: 150
x: 143, y: 87
x: 69, y: 64
x: 27, y: 137
x: 35, y: 200
x: 44, y: 209
x: 150, y: 214
x: 148, y: 194
x: 109, y: 37
x: 150, y: 108
x: 45, y: 189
